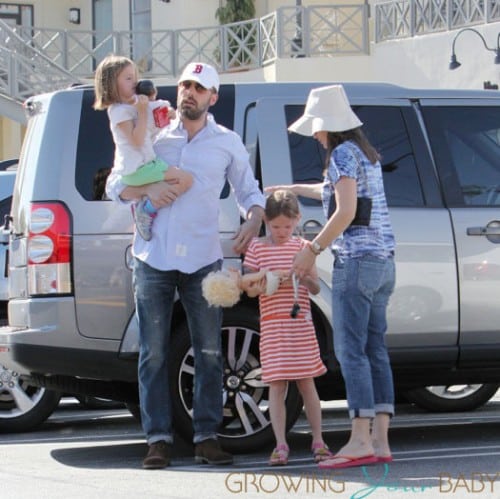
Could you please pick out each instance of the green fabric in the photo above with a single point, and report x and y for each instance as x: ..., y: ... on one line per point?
x: 151, y: 172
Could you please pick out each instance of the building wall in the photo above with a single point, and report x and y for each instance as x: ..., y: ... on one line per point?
x: 11, y: 135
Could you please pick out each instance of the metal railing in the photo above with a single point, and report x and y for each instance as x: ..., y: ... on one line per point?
x: 25, y: 70
x: 407, y: 18
x: 288, y: 32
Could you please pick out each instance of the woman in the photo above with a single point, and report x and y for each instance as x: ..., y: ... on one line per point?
x: 364, y: 271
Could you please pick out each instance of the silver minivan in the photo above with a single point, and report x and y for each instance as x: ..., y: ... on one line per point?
x: 71, y: 310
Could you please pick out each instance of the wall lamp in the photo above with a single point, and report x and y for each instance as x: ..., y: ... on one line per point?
x: 454, y: 64
x: 74, y: 15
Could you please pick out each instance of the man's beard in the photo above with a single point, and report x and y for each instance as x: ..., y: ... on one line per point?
x: 192, y: 113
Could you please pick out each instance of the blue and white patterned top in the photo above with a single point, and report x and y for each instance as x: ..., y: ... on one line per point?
x: 377, y: 239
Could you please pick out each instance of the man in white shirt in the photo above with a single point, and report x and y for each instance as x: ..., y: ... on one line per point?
x: 184, y: 248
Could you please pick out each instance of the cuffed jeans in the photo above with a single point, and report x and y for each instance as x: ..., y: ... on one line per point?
x: 361, y: 288
x: 154, y: 298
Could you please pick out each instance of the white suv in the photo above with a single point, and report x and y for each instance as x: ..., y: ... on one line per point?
x: 71, y: 310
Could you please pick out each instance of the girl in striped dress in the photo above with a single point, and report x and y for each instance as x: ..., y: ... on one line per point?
x: 289, y: 349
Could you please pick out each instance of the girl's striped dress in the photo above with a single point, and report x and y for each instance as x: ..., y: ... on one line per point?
x: 288, y: 347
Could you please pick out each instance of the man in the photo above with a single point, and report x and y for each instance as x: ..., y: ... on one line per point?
x: 184, y: 248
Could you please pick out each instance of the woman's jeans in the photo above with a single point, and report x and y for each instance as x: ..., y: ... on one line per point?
x: 155, y: 292
x: 361, y: 288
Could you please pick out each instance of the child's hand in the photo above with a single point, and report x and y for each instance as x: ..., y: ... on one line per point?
x: 255, y: 288
x: 142, y: 103
x: 283, y: 274
x: 172, y: 113
x: 253, y: 283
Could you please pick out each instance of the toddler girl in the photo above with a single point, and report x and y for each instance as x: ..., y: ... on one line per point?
x: 130, y: 117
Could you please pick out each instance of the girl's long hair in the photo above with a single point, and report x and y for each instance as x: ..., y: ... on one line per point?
x: 105, y: 80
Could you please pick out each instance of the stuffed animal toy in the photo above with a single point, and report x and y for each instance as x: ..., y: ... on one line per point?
x: 223, y: 288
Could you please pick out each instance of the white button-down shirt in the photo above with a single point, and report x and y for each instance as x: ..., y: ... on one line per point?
x: 186, y: 232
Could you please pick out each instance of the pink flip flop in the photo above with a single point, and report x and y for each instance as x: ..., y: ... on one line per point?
x: 349, y: 462
x: 384, y: 459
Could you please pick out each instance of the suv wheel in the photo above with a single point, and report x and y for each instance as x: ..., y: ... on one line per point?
x: 451, y: 398
x: 23, y: 407
x: 246, y: 425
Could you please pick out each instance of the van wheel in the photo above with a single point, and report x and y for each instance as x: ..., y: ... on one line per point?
x: 246, y: 425
x: 452, y: 398
x: 23, y: 407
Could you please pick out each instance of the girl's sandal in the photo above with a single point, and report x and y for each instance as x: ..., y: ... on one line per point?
x: 279, y: 456
x: 321, y: 452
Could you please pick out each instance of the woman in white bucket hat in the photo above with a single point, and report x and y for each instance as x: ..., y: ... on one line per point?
x: 360, y: 236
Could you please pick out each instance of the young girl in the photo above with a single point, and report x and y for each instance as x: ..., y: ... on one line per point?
x: 129, y: 115
x: 288, y: 347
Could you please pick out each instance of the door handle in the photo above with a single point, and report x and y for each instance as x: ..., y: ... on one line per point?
x: 310, y: 229
x: 483, y: 231
x: 491, y: 231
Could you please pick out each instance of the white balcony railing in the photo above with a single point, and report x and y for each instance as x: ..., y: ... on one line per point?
x: 407, y: 18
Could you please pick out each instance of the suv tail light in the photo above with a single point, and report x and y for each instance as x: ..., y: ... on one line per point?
x: 49, y: 249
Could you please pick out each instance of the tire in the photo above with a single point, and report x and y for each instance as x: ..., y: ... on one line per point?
x: 452, y: 398
x: 246, y: 425
x: 23, y: 407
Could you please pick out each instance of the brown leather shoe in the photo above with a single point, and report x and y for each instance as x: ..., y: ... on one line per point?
x: 210, y: 452
x: 158, y: 456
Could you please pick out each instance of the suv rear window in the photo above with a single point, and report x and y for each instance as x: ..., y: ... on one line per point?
x: 95, y: 150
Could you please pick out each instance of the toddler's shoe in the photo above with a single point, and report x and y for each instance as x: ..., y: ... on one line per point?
x: 143, y: 220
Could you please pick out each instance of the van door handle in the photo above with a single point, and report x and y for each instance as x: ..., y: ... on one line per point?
x: 484, y: 231
x: 491, y: 231
x: 310, y: 229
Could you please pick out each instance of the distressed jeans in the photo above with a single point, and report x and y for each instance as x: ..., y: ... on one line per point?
x: 155, y: 292
x: 361, y: 288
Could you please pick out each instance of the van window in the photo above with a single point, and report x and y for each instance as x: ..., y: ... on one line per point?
x: 466, y: 146
x: 95, y: 150
x: 385, y: 128
x: 5, y: 205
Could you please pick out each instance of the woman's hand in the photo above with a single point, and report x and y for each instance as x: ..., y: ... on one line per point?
x: 312, y: 191
x: 273, y: 188
x: 303, y: 262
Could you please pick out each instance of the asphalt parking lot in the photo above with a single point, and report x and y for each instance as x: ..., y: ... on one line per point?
x: 94, y: 454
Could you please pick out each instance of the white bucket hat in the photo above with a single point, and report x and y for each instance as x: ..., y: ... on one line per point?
x: 327, y: 109
x: 202, y: 73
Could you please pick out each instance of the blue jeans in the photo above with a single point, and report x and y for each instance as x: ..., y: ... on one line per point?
x: 154, y: 299
x: 361, y: 288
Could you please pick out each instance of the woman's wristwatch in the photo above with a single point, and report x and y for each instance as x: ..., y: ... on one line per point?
x: 315, y: 247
